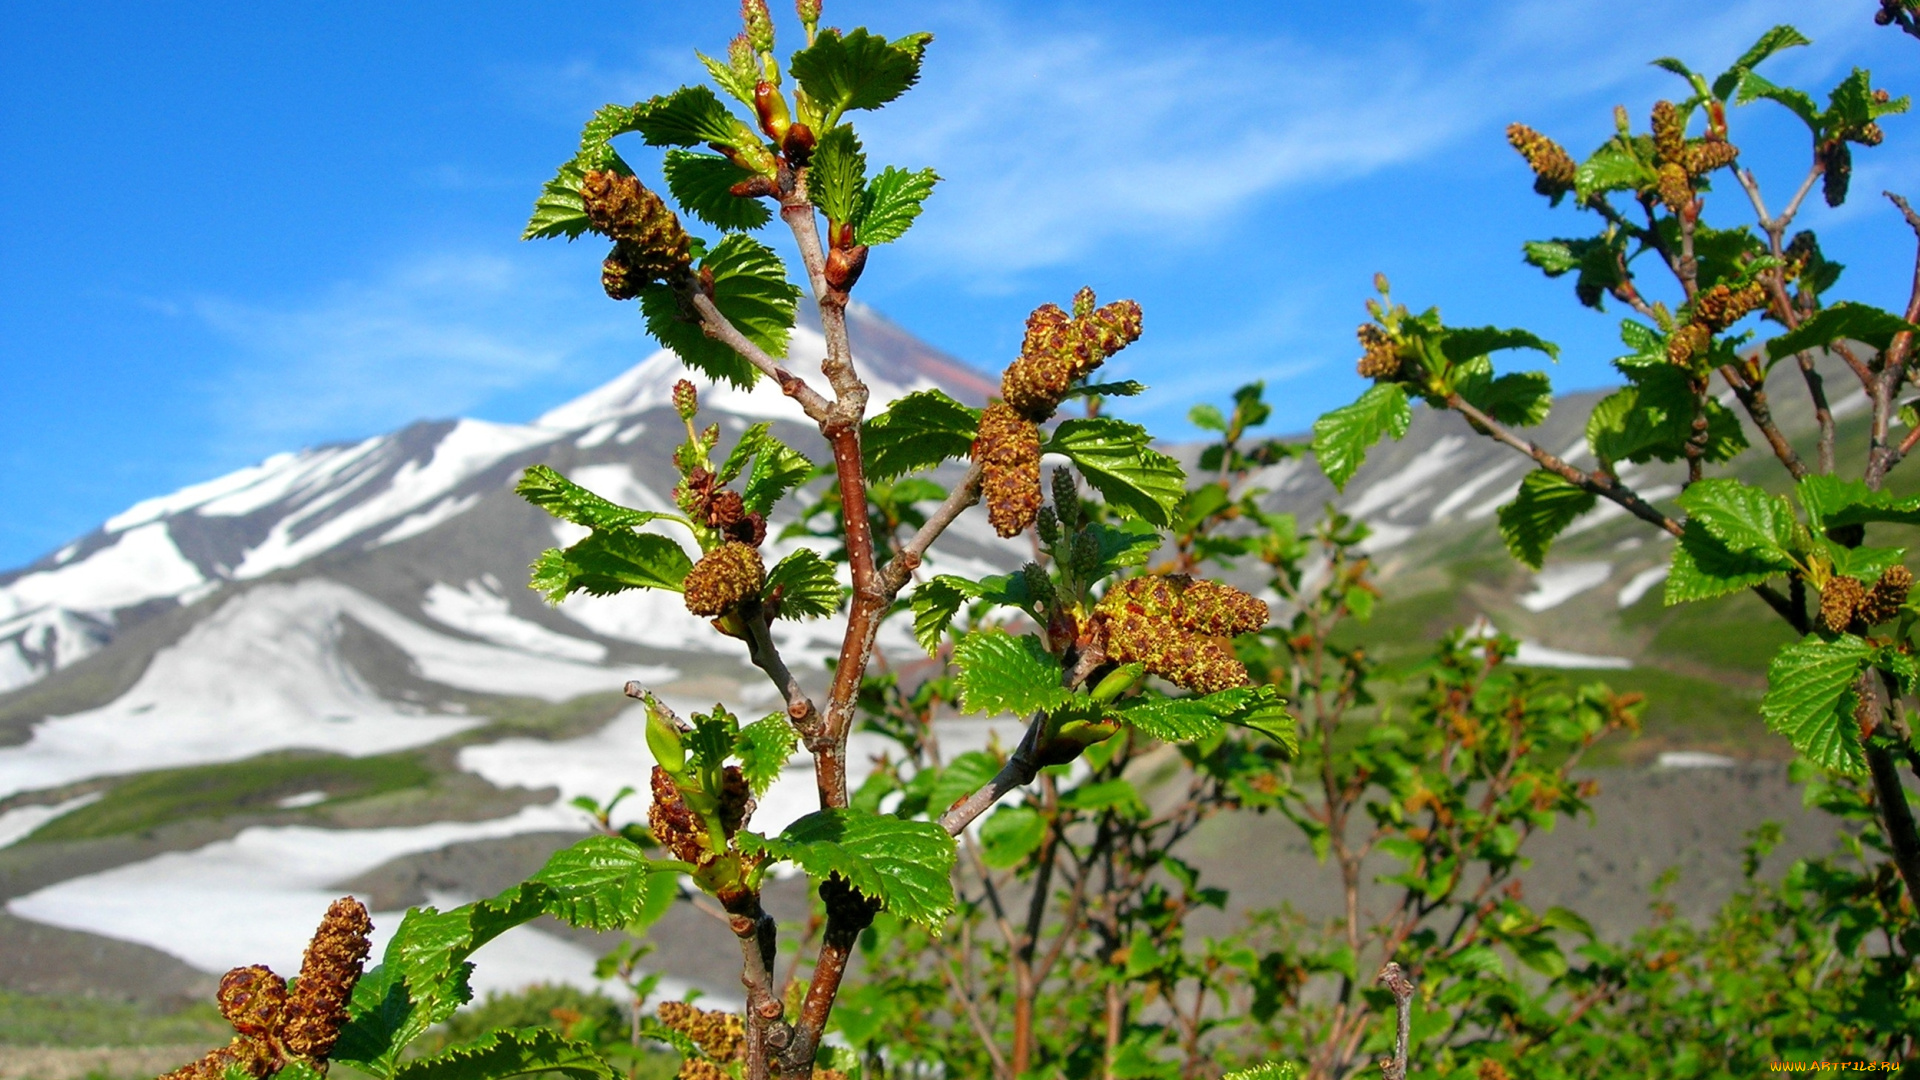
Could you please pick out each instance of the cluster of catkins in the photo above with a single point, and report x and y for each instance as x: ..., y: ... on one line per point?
x: 275, y: 1025
x: 720, y: 1036
x: 1847, y: 603
x: 733, y: 571
x: 1178, y: 628
x: 680, y: 830
x: 648, y: 243
x: 1836, y: 157
x: 1681, y: 162
x: 1059, y: 349
x: 1713, y: 310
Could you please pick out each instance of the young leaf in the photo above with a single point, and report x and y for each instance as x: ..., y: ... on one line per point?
x: 763, y: 748
x: 606, y: 122
x: 505, y: 1053
x: 1611, y: 168
x: 1809, y: 699
x: 1844, y: 321
x: 689, y: 116
x: 1116, y: 459
x: 611, y: 562
x: 702, y: 185
x: 1744, y: 518
x: 857, y: 70
x: 1130, y: 543
x: 1520, y: 399
x: 564, y: 499
x: 1704, y: 568
x: 599, y: 883
x: 934, y: 606
x: 1000, y: 673
x: 891, y: 203
x: 777, y: 469
x: 1171, y: 719
x: 919, y: 431
x: 750, y: 288
x: 1546, y: 505
x: 560, y: 211
x: 906, y: 865
x: 837, y: 178
x: 1009, y: 835
x: 1342, y: 437
x: 1464, y: 343
x: 1753, y: 87
x: 1774, y: 40
x: 1832, y: 501
x: 808, y: 588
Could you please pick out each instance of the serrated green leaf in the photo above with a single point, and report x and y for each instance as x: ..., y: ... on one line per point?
x: 568, y: 501
x: 1746, y: 519
x: 500, y: 1054
x: 599, y: 883
x: 1704, y: 568
x: 1809, y: 699
x: 1009, y: 835
x: 702, y: 184
x: 1773, y: 41
x: 1117, y: 458
x: 934, y: 604
x: 1130, y: 543
x: 891, y: 203
x: 918, y: 431
x: 1560, y: 918
x: 1546, y: 504
x: 1342, y: 437
x: 856, y: 70
x: 560, y: 211
x: 777, y: 469
x: 961, y: 777
x: 1124, y: 388
x: 743, y: 450
x: 606, y: 122
x: 1541, y: 953
x: 750, y: 288
x: 837, y: 176
x: 808, y: 587
x: 906, y: 865
x: 1464, y: 343
x: 763, y: 748
x: 1272, y: 1070
x: 738, y: 84
x: 1844, y: 321
x: 1611, y: 168
x: 1652, y: 419
x: 1864, y: 563
x: 689, y: 116
x: 611, y: 562
x: 1832, y: 501
x: 650, y: 1028
x: 999, y: 673
x: 1171, y: 719
x: 1801, y: 104
x: 1555, y: 257
x: 1521, y: 399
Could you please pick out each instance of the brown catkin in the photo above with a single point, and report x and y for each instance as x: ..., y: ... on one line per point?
x: 253, y: 1056
x: 649, y: 242
x: 1669, y: 133
x: 1380, y: 358
x: 1836, y: 161
x: 317, y: 1004
x: 1840, y: 602
x: 736, y: 799
x: 1489, y: 1069
x: 1722, y: 306
x: 726, y: 509
x: 700, y: 1069
x: 1553, y: 169
x: 1008, y: 451
x: 1887, y: 597
x: 253, y: 999
x: 673, y: 824
x: 723, y: 578
x: 1704, y: 157
x: 1686, y: 342
x: 1059, y: 348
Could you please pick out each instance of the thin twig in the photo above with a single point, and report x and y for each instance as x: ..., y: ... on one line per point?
x: 1395, y: 1067
x: 899, y: 570
x: 1020, y: 769
x: 718, y: 327
x: 766, y: 656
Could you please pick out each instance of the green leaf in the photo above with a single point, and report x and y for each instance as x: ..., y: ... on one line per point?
x: 1000, y: 673
x: 777, y: 469
x: 935, y: 604
x: 1798, y: 102
x: 808, y: 587
x: 763, y: 748
x: 857, y: 71
x: 1747, y: 520
x: 1131, y: 543
x: 599, y: 883
x: 1556, y: 257
x: 1124, y: 388
x: 689, y: 116
x: 891, y: 203
x: 1117, y: 459
x: 1117, y: 795
x: 611, y: 562
x: 1704, y: 568
x: 1464, y: 343
x: 505, y: 1053
x: 1844, y: 321
x: 1342, y: 437
x: 1541, y: 953
x: 1773, y: 41
x: 1832, y: 502
x: 962, y: 776
x: 1520, y: 399
x: 906, y: 865
x: 1864, y: 563
x: 1010, y: 835
x: 568, y: 501
x: 560, y: 210
x: 837, y: 177
x: 702, y: 185
x: 1171, y: 719
x: 1652, y: 419
x: 1560, y: 918
x: 1546, y: 505
x: 1613, y: 167
x: 1272, y: 1070
x: 1809, y: 699
x: 750, y: 288
x: 918, y: 431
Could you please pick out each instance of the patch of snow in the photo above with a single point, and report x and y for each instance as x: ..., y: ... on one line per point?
x: 1849, y: 405
x: 309, y: 471
x: 1630, y: 543
x: 630, y: 434
x: 597, y: 434
x: 567, y: 534
x: 41, y: 642
x: 1384, y: 535
x: 142, y: 564
x: 644, y: 616
x: 195, y: 494
x: 1500, y: 498
x: 20, y: 822
x: 1607, y: 509
x: 1637, y: 586
x: 66, y: 553
x: 1415, y: 477
x: 1694, y: 759
x: 1535, y: 655
x: 484, y: 613
x: 1459, y: 496
x: 414, y: 524
x: 304, y: 799
x: 617, y: 483
x: 1561, y: 582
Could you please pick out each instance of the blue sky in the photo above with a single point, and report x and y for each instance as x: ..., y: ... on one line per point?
x: 234, y: 229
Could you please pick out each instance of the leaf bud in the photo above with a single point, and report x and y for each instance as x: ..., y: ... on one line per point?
x: 1048, y: 524
x: 798, y: 145
x: 844, y: 265
x: 754, y: 187
x: 686, y: 399
x: 759, y: 23
x: 1621, y: 121
x: 665, y: 740
x: 809, y: 12
x: 1039, y: 585
x: 1380, y: 283
x: 770, y: 106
